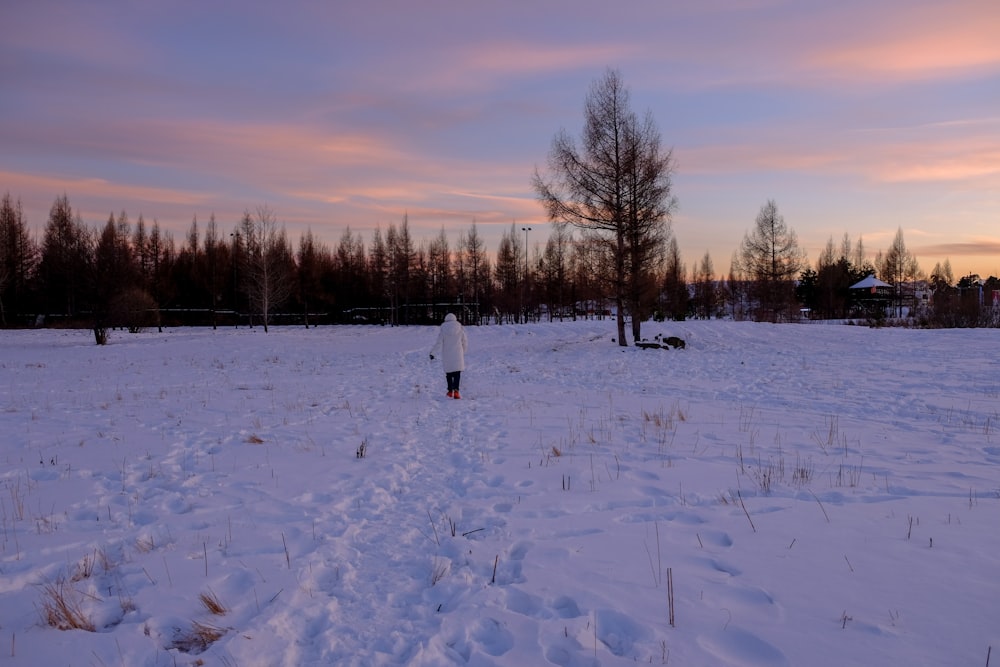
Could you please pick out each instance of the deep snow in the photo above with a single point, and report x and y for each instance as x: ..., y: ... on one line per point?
x: 819, y: 495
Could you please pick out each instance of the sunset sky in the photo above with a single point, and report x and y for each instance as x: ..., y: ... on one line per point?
x: 856, y: 117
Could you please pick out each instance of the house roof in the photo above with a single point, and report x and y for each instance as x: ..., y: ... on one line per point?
x: 869, y: 282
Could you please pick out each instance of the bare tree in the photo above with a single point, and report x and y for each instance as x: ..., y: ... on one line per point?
x: 675, y: 294
x: 898, y: 267
x: 113, y: 274
x: 554, y: 270
x: 705, y: 294
x: 439, y: 274
x: 349, y: 279
x: 378, y: 271
x: 65, y: 259
x: 267, y: 260
x: 771, y: 259
x: 650, y: 207
x: 214, y: 251
x: 162, y: 257
x: 472, y: 269
x: 401, y: 256
x: 313, y: 258
x: 587, y: 261
x: 18, y: 257
x: 616, y: 185
x: 507, y: 275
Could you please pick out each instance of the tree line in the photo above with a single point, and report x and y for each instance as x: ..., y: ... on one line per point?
x: 130, y: 273
x: 611, y: 252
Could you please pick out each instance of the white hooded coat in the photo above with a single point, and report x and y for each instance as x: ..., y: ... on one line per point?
x: 451, y: 344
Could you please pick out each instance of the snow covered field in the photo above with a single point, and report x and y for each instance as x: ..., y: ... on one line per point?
x: 817, y: 495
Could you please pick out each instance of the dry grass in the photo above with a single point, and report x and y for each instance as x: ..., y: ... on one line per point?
x: 85, y: 568
x: 144, y: 545
x: 439, y: 570
x: 212, y: 603
x: 197, y: 638
x: 254, y: 439
x: 62, y: 607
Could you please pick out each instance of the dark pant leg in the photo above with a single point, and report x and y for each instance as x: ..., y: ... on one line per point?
x: 452, y: 379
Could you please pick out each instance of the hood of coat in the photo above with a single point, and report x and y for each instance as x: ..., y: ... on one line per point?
x: 450, y: 317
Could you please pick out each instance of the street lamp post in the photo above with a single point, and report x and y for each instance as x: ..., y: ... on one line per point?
x: 524, y: 297
x: 235, y: 236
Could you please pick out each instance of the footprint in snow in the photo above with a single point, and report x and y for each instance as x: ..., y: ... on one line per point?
x: 492, y: 637
x: 741, y: 648
x: 716, y: 538
x: 526, y: 604
x: 741, y: 601
x: 618, y: 632
x: 566, y: 607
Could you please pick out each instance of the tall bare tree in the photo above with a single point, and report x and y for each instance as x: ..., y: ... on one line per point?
x: 214, y: 255
x: 348, y: 282
x: 616, y: 184
x: 898, y: 267
x: 771, y: 259
x: 267, y: 260
x: 587, y: 260
x: 650, y: 208
x: 507, y: 275
x: 378, y: 272
x: 18, y: 257
x: 162, y: 256
x: 705, y: 292
x: 114, y: 274
x: 313, y: 259
x: 65, y: 259
x: 439, y: 273
x: 674, y: 292
x: 472, y: 269
x: 554, y: 270
x: 401, y: 256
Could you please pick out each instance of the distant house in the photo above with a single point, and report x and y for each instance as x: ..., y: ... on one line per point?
x: 873, y: 296
x: 873, y: 285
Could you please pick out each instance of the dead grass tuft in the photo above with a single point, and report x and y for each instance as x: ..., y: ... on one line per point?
x: 62, y: 607
x: 212, y: 603
x: 145, y: 544
x: 197, y: 638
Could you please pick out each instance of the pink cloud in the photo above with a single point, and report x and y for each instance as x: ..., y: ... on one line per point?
x: 48, y: 187
x: 979, y: 248
x: 915, y: 42
x: 961, y: 151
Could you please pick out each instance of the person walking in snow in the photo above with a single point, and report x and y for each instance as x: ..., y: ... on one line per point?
x: 451, y: 344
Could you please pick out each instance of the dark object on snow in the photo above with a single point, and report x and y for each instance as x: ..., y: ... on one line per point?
x: 648, y: 346
x: 675, y: 342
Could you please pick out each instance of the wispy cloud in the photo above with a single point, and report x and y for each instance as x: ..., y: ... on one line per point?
x: 48, y: 186
x: 919, y: 41
x: 339, y: 114
x: 981, y: 248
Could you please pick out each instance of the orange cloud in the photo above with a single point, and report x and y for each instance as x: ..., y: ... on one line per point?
x: 972, y: 164
x: 49, y: 187
x: 917, y: 42
x: 232, y: 145
x: 977, y: 248
x: 886, y: 156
